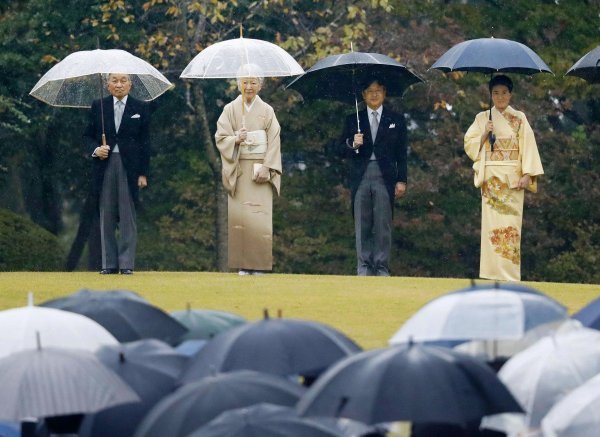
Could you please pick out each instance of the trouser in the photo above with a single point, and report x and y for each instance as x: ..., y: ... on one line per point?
x: 117, y: 211
x: 373, y: 223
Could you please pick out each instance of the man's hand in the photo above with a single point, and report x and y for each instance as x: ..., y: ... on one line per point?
x: 263, y: 175
x: 102, y: 152
x: 142, y: 182
x: 358, y: 140
x: 400, y: 190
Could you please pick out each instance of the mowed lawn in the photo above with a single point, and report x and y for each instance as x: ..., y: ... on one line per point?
x: 369, y: 310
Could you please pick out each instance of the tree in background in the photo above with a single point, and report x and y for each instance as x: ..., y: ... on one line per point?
x: 183, y: 220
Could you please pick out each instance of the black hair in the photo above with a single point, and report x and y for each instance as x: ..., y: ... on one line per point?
x: 367, y: 82
x: 501, y: 80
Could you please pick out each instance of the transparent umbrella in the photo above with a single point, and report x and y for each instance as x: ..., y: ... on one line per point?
x: 224, y: 59
x: 76, y: 80
x: 577, y: 414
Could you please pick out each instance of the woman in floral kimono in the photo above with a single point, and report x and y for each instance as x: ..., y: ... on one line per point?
x: 506, y: 162
x: 248, y: 138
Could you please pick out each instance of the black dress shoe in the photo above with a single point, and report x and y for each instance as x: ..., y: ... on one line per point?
x: 126, y: 272
x: 109, y: 271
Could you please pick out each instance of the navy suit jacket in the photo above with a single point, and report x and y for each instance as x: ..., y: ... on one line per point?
x: 390, y: 149
x: 133, y: 139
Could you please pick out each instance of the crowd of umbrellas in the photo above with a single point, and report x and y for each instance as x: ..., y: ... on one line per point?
x: 487, y: 358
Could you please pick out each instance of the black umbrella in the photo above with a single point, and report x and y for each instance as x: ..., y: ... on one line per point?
x: 124, y: 314
x: 196, y: 404
x: 413, y: 383
x: 56, y: 382
x: 339, y: 77
x: 266, y: 420
x: 151, y: 368
x: 491, y: 55
x: 277, y: 346
x: 588, y: 67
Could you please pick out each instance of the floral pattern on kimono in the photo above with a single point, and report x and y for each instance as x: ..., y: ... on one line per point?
x: 507, y: 242
x: 498, y: 195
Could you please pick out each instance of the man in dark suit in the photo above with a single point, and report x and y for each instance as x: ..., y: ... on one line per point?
x: 378, y: 176
x: 120, y: 168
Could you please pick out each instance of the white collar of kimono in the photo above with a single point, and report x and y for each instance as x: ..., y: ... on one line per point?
x: 249, y: 106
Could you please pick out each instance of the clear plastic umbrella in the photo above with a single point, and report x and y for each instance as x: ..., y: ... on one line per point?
x: 543, y: 374
x: 224, y: 59
x: 76, y: 81
x: 577, y: 414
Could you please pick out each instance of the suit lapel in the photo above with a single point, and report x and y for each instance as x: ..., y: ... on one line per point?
x: 128, y: 112
x: 109, y: 116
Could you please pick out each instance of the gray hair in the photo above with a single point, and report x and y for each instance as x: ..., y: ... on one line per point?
x: 249, y: 70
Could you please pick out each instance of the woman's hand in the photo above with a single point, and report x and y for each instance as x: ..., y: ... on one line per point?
x: 524, y: 182
x: 263, y: 175
x: 241, y: 135
x: 489, y: 128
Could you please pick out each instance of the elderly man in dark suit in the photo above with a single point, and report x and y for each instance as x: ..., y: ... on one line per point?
x: 120, y: 168
x: 378, y: 176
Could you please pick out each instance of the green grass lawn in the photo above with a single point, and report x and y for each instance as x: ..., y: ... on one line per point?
x: 369, y: 310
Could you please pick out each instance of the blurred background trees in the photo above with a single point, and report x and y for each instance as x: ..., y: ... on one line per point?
x: 44, y: 173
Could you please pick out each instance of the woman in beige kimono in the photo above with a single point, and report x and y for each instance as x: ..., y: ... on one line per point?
x: 503, y: 171
x: 248, y: 138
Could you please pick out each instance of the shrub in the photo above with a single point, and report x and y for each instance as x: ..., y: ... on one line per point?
x: 27, y: 246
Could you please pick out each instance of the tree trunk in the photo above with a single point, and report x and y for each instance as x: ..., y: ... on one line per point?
x: 215, y: 164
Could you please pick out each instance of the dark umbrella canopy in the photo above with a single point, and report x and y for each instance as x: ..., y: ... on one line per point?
x: 491, y: 55
x: 412, y: 383
x: 277, y: 346
x: 205, y: 324
x: 196, y: 404
x: 339, y: 77
x: 55, y: 382
x: 588, y: 67
x: 151, y: 369
x: 124, y: 314
x: 589, y: 315
x: 266, y: 420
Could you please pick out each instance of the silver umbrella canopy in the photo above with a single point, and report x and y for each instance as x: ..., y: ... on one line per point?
x: 54, y: 382
x: 588, y: 67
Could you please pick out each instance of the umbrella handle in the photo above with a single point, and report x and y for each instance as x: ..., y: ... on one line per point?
x: 104, y: 139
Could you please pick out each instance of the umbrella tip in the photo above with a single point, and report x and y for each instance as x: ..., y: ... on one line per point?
x: 496, y: 284
x: 188, y: 306
x: 38, y: 340
x: 473, y: 282
x: 241, y: 30
x: 351, y: 47
x: 279, y: 313
x: 121, y: 357
x: 265, y: 313
x: 30, y: 298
